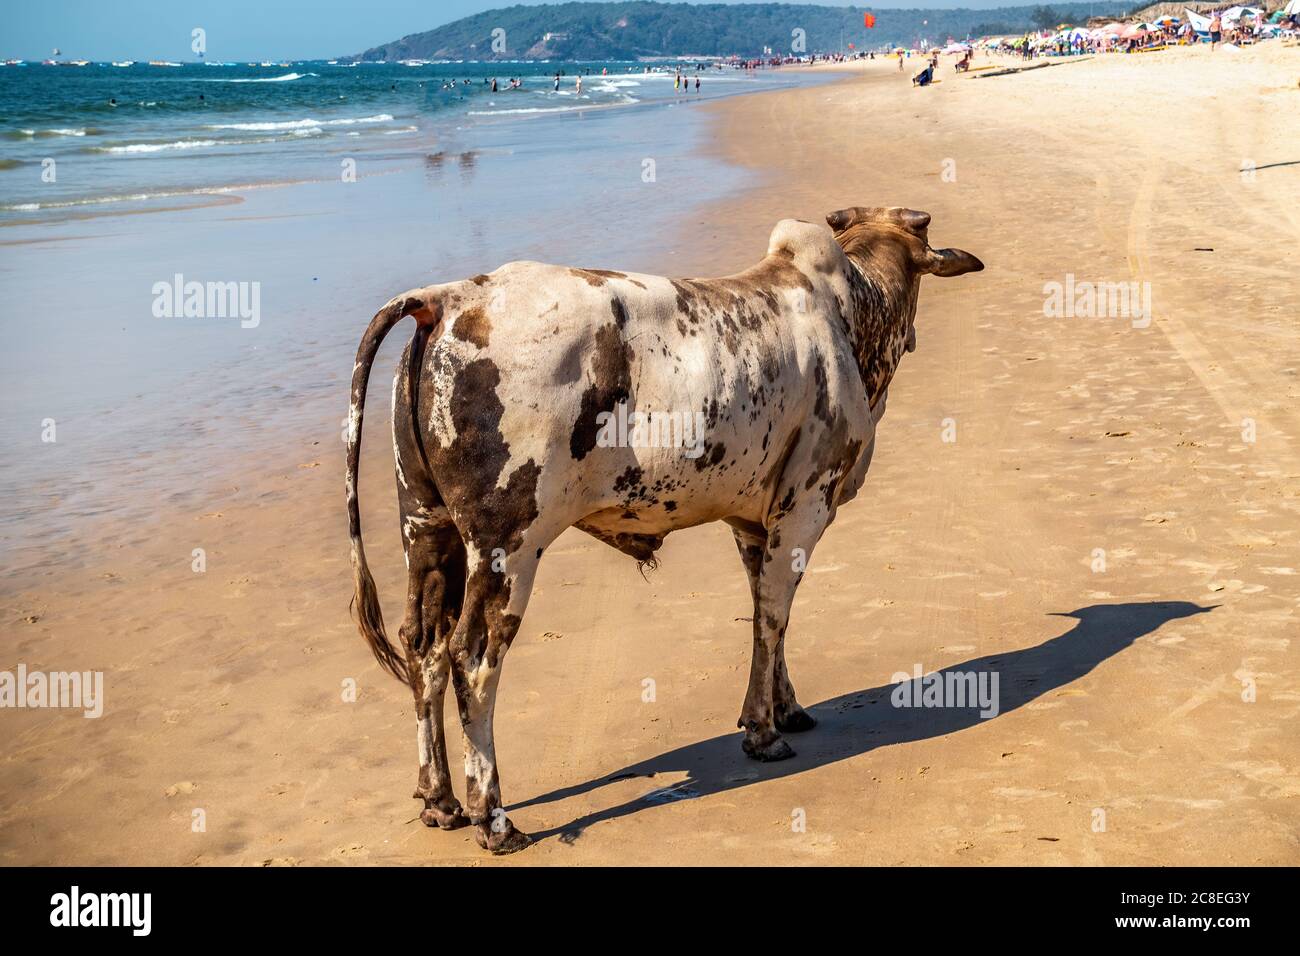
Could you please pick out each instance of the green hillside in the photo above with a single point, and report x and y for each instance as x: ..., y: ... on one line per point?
x: 627, y: 31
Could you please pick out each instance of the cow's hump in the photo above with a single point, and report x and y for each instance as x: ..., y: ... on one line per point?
x: 806, y: 242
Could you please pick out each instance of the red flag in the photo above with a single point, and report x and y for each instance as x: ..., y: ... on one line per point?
x: 869, y: 20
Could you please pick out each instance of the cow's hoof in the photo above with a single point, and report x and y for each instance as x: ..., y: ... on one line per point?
x: 796, y: 721
x: 771, y: 751
x: 504, y: 842
x: 435, y: 816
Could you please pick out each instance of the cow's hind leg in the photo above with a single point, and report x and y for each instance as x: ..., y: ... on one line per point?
x: 496, y: 594
x: 791, y: 537
x: 788, y: 716
x: 435, y: 559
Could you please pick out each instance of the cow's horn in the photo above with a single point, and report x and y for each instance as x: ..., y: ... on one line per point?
x: 914, y: 220
x: 840, y: 219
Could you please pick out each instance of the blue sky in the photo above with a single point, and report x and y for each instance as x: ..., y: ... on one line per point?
x: 256, y: 29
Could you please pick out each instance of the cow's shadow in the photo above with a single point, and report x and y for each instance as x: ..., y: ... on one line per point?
x: 861, y: 721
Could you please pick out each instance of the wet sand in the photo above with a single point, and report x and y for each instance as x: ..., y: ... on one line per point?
x: 1123, y: 736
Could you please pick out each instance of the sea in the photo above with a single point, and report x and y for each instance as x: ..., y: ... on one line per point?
x: 134, y: 136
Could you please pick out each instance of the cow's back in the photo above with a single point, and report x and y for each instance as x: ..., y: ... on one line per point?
x: 654, y: 402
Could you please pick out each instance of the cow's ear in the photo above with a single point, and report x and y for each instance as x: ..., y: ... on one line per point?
x: 951, y: 262
x: 841, y: 219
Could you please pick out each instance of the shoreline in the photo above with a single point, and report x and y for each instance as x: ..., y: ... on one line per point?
x: 1071, y: 437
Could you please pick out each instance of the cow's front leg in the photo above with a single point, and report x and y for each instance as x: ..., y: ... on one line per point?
x: 789, y: 717
x: 790, y: 541
x: 425, y: 636
x: 494, y: 606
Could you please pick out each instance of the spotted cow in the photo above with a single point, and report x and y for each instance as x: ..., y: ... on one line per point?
x: 511, y: 406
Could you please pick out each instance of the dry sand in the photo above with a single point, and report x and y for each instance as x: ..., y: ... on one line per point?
x: 1124, y: 737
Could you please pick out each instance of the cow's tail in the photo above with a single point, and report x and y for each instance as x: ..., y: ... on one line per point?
x: 370, y: 618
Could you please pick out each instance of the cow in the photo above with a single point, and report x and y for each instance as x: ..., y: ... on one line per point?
x: 520, y: 408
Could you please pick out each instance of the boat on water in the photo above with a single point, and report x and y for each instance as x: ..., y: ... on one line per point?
x: 124, y: 62
x: 15, y: 63
x: 162, y: 63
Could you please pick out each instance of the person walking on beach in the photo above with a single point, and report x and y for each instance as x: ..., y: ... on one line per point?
x: 1216, y: 30
x: 557, y: 82
x: 579, y: 84
x: 697, y: 82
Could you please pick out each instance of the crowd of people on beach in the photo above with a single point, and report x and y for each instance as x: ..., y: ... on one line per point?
x: 1238, y: 25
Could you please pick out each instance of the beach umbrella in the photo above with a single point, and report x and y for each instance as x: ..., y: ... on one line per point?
x: 1116, y: 28
x: 1236, y: 13
x: 1133, y: 31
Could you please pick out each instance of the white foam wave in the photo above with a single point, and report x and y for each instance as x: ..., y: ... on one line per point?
x: 261, y: 79
x: 52, y: 132
x: 140, y: 197
x: 303, y: 123
x: 553, y: 109
x: 157, y: 147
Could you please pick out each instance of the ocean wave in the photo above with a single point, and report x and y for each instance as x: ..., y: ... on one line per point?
x: 202, y: 143
x: 303, y: 123
x: 530, y: 109
x: 156, y: 194
x: 260, y: 79
x: 42, y: 133
x: 625, y: 101
x: 156, y: 147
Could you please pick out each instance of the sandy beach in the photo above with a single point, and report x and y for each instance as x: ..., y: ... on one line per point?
x: 1105, y: 510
